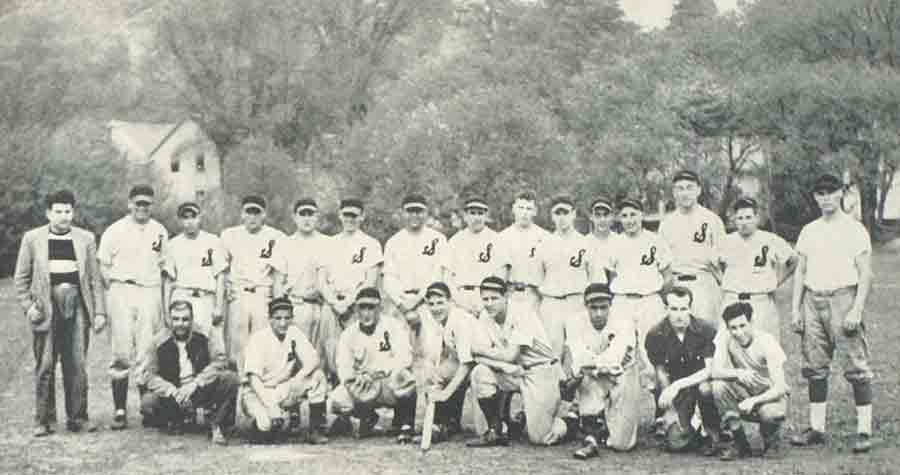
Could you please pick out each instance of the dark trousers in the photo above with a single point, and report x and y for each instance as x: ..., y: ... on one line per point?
x: 66, y: 341
x: 220, y: 395
x: 451, y: 409
x: 685, y: 403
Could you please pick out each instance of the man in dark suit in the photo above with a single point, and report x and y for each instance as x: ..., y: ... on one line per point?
x: 59, y: 287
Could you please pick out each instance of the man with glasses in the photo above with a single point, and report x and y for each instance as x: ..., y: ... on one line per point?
x: 564, y: 265
x: 471, y: 255
x: 281, y: 370
x: 256, y: 260
x: 601, y: 237
x: 375, y: 368
x: 195, y: 272
x: 693, y: 233
x: 517, y: 261
x: 131, y: 256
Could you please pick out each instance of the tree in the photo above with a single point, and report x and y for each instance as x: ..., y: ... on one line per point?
x: 686, y: 13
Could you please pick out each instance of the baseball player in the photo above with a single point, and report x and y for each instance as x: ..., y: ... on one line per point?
x: 600, y: 362
x: 519, y: 358
x: 412, y: 260
x: 748, y: 382
x: 564, y: 265
x: 471, y: 255
x: 59, y: 288
x: 450, y: 360
x: 256, y: 267
x: 352, y: 262
x: 693, y: 233
x: 602, y: 216
x: 194, y: 270
x: 833, y: 279
x: 375, y: 369
x: 517, y: 259
x: 681, y: 349
x: 305, y: 252
x: 131, y: 260
x: 184, y: 371
x: 282, y: 369
x: 754, y: 264
x: 640, y: 266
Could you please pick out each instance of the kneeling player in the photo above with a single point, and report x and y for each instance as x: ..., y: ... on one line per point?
x: 282, y: 369
x: 519, y: 358
x: 449, y: 366
x: 599, y: 360
x: 748, y: 382
x: 374, y: 363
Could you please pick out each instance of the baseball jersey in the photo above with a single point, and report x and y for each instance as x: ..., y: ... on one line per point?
x: 471, y: 257
x: 600, y: 256
x: 457, y: 335
x: 523, y: 330
x: 348, y: 259
x: 253, y: 256
x: 564, y: 260
x: 386, y: 349
x: 751, y: 264
x: 195, y: 263
x: 303, y: 257
x: 831, y: 248
x: 763, y: 353
x: 692, y: 238
x: 131, y: 251
x: 518, y: 250
x: 639, y: 262
x: 612, y: 346
x: 412, y: 261
x: 266, y: 356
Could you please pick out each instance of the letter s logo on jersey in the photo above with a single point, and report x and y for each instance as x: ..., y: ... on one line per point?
x: 763, y: 258
x: 575, y: 261
x: 649, y: 260
x: 267, y: 252
x: 700, y: 236
x: 207, y: 261
x: 430, y: 249
x: 157, y: 245
x: 358, y: 257
x: 486, y: 255
x: 385, y: 344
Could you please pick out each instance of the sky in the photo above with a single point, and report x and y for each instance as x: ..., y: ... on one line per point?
x: 656, y: 13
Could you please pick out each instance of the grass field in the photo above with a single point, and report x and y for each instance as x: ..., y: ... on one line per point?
x: 139, y: 451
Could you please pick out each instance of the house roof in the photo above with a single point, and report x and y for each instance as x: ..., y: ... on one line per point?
x: 140, y: 139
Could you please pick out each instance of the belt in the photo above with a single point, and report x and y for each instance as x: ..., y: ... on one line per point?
x: 312, y: 301
x: 633, y: 295
x: 195, y: 292
x: 542, y: 363
x: 686, y: 278
x: 748, y: 295
x: 470, y: 287
x: 251, y: 290
x: 340, y: 296
x: 561, y: 297
x: 129, y: 281
x: 829, y: 293
x: 521, y: 287
x: 411, y: 291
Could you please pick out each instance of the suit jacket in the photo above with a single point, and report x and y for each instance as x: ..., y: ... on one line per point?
x: 32, y: 275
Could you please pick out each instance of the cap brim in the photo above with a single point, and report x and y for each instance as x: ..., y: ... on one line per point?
x: 307, y: 208
x: 602, y: 206
x: 480, y: 206
x: 415, y: 207
x: 369, y: 300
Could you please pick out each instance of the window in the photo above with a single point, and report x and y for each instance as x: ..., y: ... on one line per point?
x: 176, y: 165
x: 201, y: 163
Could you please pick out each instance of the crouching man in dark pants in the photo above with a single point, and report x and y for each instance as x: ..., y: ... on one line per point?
x: 184, y: 371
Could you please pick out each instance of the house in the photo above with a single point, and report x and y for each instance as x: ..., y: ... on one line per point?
x: 181, y: 155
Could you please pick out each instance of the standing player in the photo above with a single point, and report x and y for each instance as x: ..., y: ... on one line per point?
x: 131, y: 260
x: 640, y: 266
x: 830, y: 289
x: 748, y: 382
x: 600, y: 362
x: 470, y: 255
x: 60, y: 290
x: 564, y: 265
x: 305, y: 253
x: 755, y: 263
x: 375, y: 367
x: 195, y: 272
x: 601, y: 239
x: 518, y: 261
x: 519, y: 358
x: 256, y: 273
x: 693, y: 233
x: 412, y: 260
x: 353, y: 261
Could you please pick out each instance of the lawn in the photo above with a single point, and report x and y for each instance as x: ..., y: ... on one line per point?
x: 137, y: 451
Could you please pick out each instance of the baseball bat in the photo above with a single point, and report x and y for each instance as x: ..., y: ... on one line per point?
x: 428, y: 425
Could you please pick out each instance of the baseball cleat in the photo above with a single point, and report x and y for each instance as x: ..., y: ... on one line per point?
x: 863, y: 444
x: 341, y: 426
x: 218, y: 437
x: 808, y: 438
x: 316, y: 437
x: 406, y: 434
x: 589, y: 450
x: 489, y: 439
x: 42, y: 430
x: 120, y: 421
x: 367, y: 426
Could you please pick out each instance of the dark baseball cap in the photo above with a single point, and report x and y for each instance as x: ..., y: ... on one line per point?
x: 828, y: 183
x: 188, y: 207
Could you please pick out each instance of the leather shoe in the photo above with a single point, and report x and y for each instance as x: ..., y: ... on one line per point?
x: 589, y: 450
x: 808, y: 437
x: 863, y: 444
x: 489, y: 439
x: 42, y: 430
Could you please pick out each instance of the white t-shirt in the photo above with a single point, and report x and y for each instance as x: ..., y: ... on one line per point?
x: 752, y: 263
x: 693, y: 239
x: 639, y: 262
x: 133, y: 251
x: 831, y: 248
x: 195, y: 263
x: 253, y: 257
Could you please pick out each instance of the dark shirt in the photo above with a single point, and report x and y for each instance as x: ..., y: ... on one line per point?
x: 681, y: 359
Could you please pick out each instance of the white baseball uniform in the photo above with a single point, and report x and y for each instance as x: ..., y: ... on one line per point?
x: 412, y: 262
x: 194, y: 265
x: 518, y: 251
x: 564, y: 261
x: 470, y: 258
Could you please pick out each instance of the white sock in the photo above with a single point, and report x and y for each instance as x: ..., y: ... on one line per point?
x: 864, y: 419
x: 817, y: 411
x: 120, y: 412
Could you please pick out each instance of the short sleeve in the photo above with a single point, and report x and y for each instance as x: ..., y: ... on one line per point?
x: 775, y: 356
x: 377, y: 255
x: 862, y: 242
x: 279, y: 252
x: 254, y: 360
x: 462, y: 336
x: 220, y: 262
x: 719, y: 232
x: 782, y: 249
x: 170, y: 266
x: 655, y: 347
x: 523, y: 331
x: 107, y: 248
x: 663, y: 254
x: 802, y: 246
x: 227, y: 244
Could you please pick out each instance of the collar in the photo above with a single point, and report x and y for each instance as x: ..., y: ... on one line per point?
x: 693, y: 327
